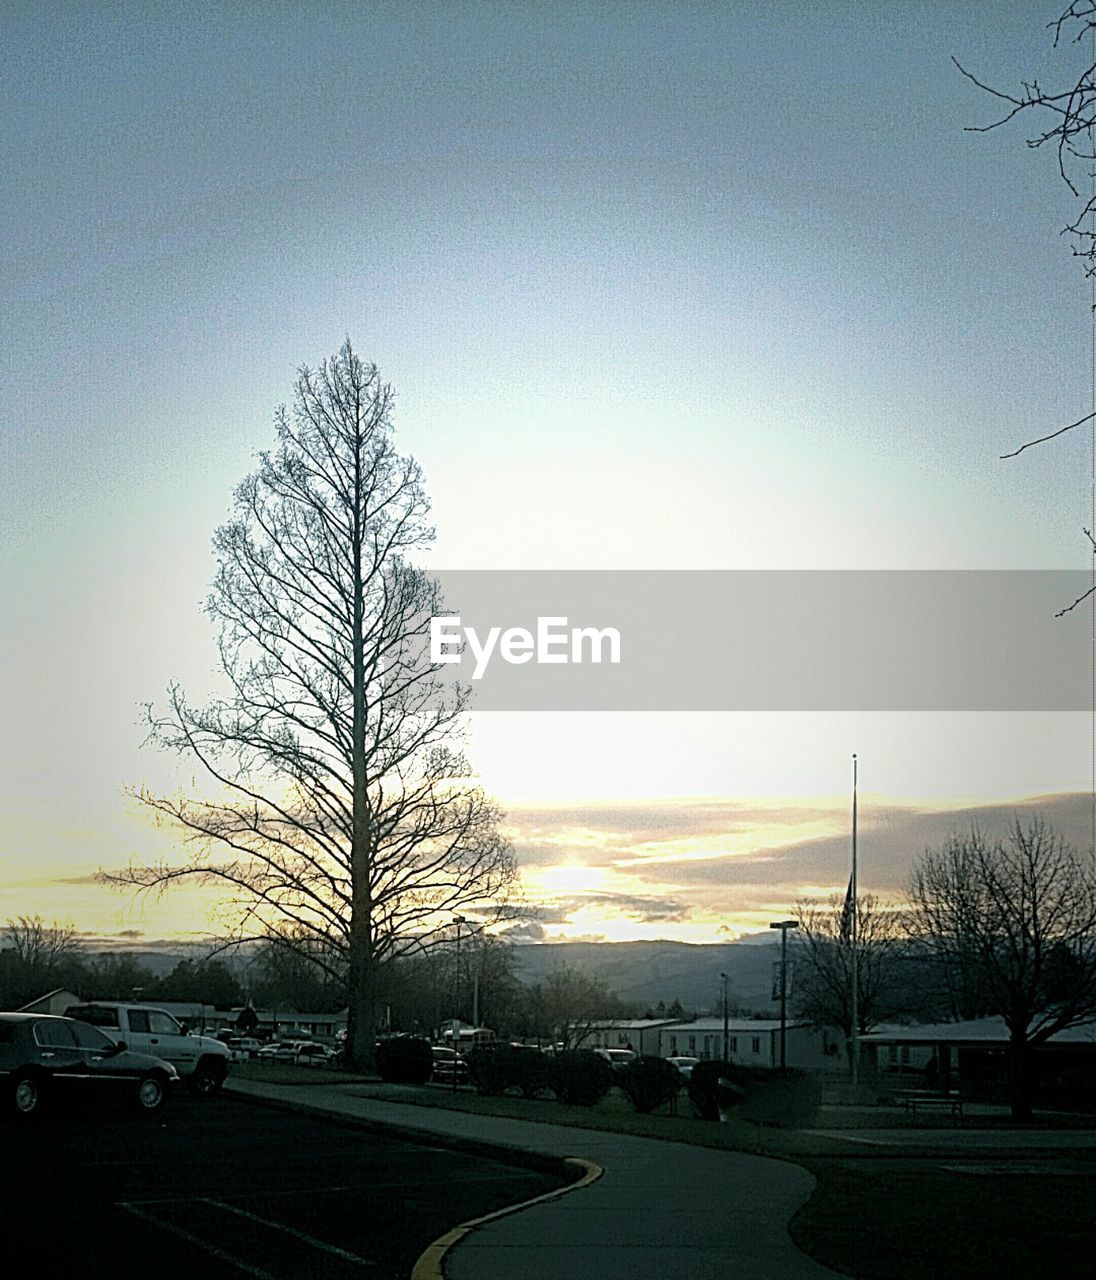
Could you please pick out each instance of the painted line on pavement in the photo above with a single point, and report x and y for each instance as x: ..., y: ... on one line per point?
x: 220, y: 1254
x: 429, y: 1264
x: 303, y: 1236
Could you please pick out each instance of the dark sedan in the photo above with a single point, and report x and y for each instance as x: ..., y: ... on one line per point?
x: 44, y: 1057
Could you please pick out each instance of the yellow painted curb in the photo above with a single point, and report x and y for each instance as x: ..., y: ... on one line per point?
x: 429, y: 1264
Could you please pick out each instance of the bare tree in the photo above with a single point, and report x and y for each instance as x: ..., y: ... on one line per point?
x: 822, y: 954
x: 41, y: 947
x: 568, y: 1005
x: 1013, y: 924
x: 341, y: 813
x: 1066, y: 117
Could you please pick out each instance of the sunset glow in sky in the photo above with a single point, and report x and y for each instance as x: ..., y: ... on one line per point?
x: 658, y: 286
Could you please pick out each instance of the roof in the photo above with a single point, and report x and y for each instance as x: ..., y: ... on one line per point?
x: 739, y: 1026
x: 630, y: 1024
x: 44, y: 999
x: 978, y: 1031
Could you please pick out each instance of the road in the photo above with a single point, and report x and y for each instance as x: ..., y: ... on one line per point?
x: 222, y: 1188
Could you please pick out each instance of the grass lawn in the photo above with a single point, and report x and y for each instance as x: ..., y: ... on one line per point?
x: 289, y: 1073
x: 893, y: 1219
x: 878, y: 1213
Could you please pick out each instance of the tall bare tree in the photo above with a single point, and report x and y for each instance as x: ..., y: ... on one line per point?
x: 341, y: 815
x: 1013, y: 923
x: 822, y: 954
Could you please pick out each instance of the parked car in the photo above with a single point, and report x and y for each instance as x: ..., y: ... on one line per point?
x: 201, y: 1061
x: 617, y: 1058
x: 280, y: 1051
x: 313, y: 1055
x: 242, y: 1048
x: 447, y: 1065
x: 44, y: 1057
x: 684, y: 1065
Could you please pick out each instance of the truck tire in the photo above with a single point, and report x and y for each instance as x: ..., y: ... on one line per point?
x: 207, y: 1078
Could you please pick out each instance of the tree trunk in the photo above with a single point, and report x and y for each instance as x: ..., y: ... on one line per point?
x: 1021, y: 1080
x: 361, y: 1016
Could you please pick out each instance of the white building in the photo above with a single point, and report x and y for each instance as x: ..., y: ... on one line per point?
x: 640, y: 1034
x: 753, y: 1042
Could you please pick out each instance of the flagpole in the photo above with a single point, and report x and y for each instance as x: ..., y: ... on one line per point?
x: 854, y: 992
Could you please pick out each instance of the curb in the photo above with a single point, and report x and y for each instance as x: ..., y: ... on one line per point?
x: 430, y: 1262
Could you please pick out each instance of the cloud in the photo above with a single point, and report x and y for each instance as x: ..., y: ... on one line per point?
x: 772, y: 872
x: 529, y: 931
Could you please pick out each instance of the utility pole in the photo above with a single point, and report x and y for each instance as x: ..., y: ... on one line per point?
x: 854, y: 936
x: 784, y: 926
x: 726, y: 1027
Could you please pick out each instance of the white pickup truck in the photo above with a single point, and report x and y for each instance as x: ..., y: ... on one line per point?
x: 201, y: 1061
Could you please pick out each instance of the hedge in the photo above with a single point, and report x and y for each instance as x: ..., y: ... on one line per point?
x: 405, y: 1060
x: 579, y: 1077
x: 649, y: 1082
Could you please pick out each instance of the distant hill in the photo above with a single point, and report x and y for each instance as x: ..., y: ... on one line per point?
x: 643, y: 973
x: 640, y: 973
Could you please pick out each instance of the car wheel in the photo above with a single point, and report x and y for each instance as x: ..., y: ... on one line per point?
x: 206, y: 1081
x: 28, y: 1096
x: 151, y: 1093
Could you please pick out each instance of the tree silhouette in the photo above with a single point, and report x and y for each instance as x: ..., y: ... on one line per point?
x: 340, y: 815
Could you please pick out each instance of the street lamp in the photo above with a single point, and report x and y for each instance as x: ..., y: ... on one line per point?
x: 458, y: 921
x: 726, y: 1028
x: 784, y: 926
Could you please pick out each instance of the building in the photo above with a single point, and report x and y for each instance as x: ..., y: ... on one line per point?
x: 974, y: 1057
x: 55, y: 1001
x: 640, y: 1034
x: 754, y: 1042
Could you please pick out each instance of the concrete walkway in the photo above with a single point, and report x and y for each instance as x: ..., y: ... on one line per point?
x: 661, y: 1211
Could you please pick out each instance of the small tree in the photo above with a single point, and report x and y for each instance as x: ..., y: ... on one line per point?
x: 38, y: 957
x: 822, y: 958
x: 1012, y: 925
x: 42, y: 947
x: 567, y: 1005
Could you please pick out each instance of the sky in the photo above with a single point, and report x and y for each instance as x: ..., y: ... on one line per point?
x: 658, y: 286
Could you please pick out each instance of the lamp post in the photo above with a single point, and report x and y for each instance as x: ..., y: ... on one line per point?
x: 784, y: 926
x: 458, y: 921
x: 726, y: 1027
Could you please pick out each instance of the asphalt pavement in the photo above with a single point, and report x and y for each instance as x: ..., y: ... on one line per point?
x: 221, y: 1189
x: 659, y: 1211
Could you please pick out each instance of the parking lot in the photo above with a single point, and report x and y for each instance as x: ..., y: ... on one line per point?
x: 223, y: 1188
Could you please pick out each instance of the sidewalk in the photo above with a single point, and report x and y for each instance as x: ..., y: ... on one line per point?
x: 661, y: 1211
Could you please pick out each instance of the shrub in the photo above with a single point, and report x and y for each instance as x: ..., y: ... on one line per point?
x: 405, y: 1060
x: 579, y: 1077
x: 705, y: 1094
x: 788, y: 1099
x: 491, y: 1070
x: 530, y: 1071
x: 649, y: 1082
x: 762, y: 1095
